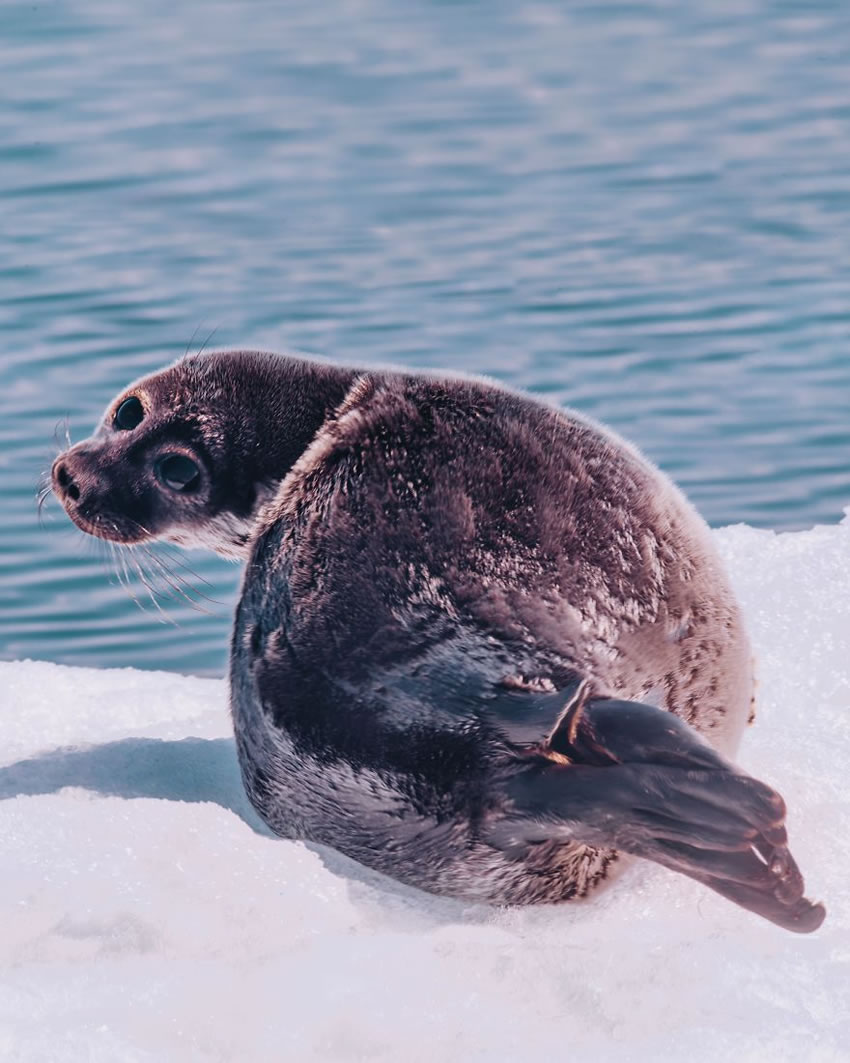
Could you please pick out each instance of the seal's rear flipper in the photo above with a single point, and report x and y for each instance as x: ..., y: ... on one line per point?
x: 632, y: 777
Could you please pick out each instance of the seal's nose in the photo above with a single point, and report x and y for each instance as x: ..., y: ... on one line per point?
x: 63, y: 481
x: 72, y: 479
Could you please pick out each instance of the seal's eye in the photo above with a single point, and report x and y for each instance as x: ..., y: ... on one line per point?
x: 178, y: 472
x: 128, y: 414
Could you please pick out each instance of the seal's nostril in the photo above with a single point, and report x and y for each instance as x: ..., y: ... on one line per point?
x: 66, y: 482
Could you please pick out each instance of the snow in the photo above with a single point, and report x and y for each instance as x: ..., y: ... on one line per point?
x: 146, y: 915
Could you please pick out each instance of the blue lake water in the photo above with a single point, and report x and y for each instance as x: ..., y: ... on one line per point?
x: 639, y: 209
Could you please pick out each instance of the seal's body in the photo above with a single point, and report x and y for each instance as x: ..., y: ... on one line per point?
x: 477, y: 635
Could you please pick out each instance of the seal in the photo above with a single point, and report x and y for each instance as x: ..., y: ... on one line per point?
x: 482, y: 645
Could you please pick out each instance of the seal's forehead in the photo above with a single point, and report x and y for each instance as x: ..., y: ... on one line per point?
x: 152, y: 391
x: 209, y: 378
x: 159, y: 394
x: 174, y: 389
x: 201, y: 387
x: 193, y: 398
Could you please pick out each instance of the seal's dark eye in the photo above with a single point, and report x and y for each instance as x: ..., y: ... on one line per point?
x: 128, y: 414
x: 178, y: 472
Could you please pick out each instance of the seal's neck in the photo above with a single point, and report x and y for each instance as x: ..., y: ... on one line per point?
x: 238, y: 421
x: 268, y: 409
x: 290, y: 399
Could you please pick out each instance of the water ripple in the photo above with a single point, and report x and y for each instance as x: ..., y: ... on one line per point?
x: 640, y: 208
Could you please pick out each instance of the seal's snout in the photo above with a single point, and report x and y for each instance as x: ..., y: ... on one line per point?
x: 78, y: 484
x: 95, y: 493
x: 72, y: 480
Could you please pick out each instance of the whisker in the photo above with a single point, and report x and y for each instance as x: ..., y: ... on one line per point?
x: 144, y: 576
x: 185, y: 593
x: 207, y: 340
x: 128, y: 553
x: 163, y: 563
x: 45, y: 485
x: 41, y: 497
x: 120, y: 566
x: 177, y: 559
x: 174, y: 581
x: 119, y: 559
x: 158, y: 567
x: 61, y: 423
x: 65, y: 424
x: 192, y: 340
x: 107, y: 557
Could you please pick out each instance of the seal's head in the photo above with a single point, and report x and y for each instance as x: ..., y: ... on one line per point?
x: 191, y: 453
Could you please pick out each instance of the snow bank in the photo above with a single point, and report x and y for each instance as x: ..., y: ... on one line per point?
x: 147, y: 916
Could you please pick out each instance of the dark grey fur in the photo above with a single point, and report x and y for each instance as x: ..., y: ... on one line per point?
x: 454, y: 598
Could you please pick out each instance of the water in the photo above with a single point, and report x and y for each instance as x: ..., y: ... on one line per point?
x: 640, y: 209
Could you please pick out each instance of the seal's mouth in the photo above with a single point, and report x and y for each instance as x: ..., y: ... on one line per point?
x: 114, y: 530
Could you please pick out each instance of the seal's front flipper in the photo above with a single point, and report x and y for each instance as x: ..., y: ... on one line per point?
x: 632, y: 777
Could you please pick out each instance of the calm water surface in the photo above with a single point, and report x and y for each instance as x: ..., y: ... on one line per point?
x: 639, y: 209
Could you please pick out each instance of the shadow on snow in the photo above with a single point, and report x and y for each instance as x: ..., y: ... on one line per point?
x: 200, y: 770
x: 191, y: 769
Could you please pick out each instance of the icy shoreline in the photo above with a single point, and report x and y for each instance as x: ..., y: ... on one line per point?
x: 146, y: 916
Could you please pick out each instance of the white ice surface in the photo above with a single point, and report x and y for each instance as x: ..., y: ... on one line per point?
x: 145, y: 918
